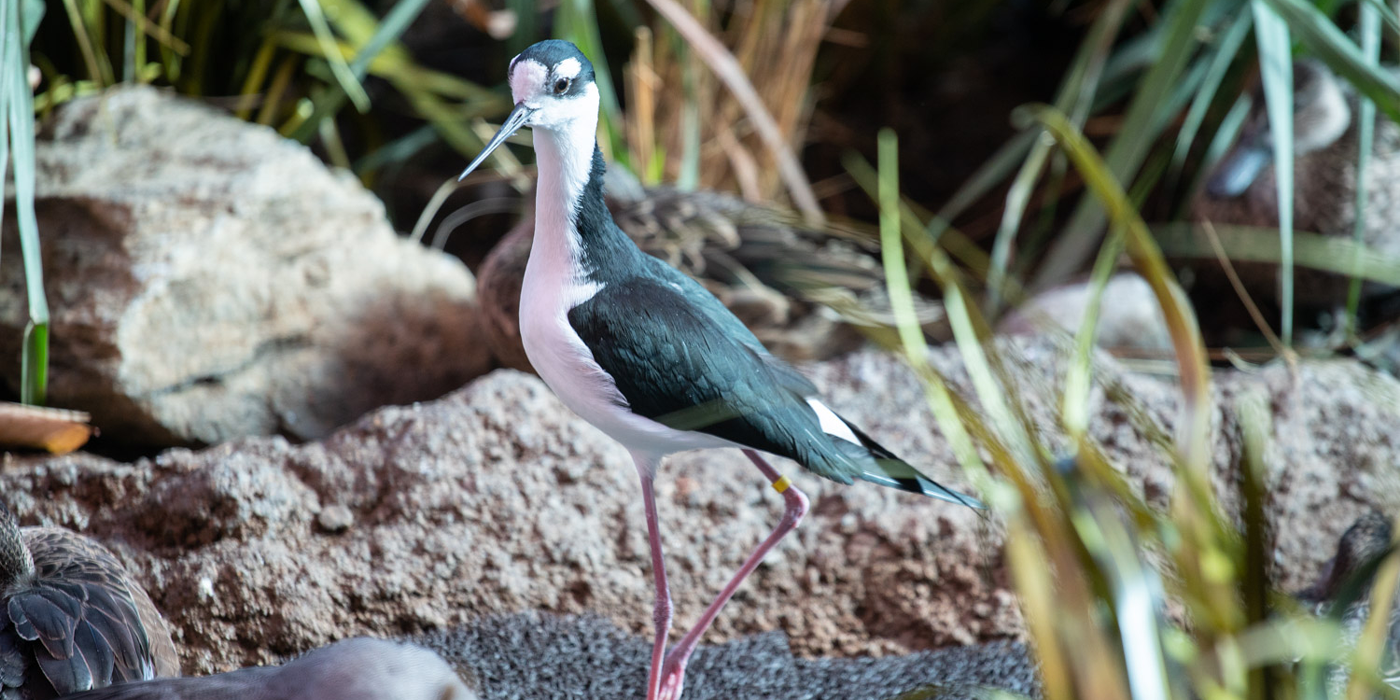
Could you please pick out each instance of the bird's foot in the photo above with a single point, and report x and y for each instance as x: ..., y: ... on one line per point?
x: 672, y: 679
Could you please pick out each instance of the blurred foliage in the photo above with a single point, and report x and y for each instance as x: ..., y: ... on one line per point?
x: 1078, y: 536
x: 295, y: 66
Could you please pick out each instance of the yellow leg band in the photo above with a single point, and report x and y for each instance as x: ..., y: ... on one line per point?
x: 782, y: 484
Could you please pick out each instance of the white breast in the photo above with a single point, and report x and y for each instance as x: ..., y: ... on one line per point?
x: 553, y: 285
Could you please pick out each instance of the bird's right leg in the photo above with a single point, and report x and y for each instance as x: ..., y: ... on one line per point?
x: 661, y: 614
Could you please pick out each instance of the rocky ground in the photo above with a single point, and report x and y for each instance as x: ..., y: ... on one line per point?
x: 496, y: 500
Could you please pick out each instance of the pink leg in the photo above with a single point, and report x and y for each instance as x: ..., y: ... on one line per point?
x: 661, y: 614
x: 673, y: 675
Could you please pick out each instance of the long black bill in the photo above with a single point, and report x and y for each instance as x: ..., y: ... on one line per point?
x: 514, y: 121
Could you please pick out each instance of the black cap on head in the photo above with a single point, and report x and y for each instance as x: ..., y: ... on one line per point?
x: 551, y: 52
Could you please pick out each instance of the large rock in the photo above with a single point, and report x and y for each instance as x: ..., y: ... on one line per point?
x: 496, y: 499
x: 210, y: 279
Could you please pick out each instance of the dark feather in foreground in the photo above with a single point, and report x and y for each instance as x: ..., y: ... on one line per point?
x: 71, y: 618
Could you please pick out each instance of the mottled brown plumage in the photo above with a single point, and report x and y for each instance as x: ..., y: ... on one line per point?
x: 1347, y: 579
x: 72, y: 619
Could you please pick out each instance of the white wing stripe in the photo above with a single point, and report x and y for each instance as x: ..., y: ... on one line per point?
x: 831, y: 423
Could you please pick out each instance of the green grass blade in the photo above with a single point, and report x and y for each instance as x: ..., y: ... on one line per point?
x: 1370, y: 29
x: 688, y: 177
x: 1075, y: 96
x: 902, y: 302
x: 34, y: 364
x: 97, y: 71
x: 1340, y: 256
x: 385, y: 34
x: 1276, y: 70
x: 344, y: 76
x: 19, y: 112
x: 1322, y: 38
x: 892, y: 244
x: 577, y: 21
x: 526, y: 29
x: 1186, y: 336
x: 1226, y: 51
x: 1135, y: 138
x: 1078, y: 379
x: 6, y: 75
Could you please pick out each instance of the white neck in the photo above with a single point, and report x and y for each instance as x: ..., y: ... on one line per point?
x: 564, y: 156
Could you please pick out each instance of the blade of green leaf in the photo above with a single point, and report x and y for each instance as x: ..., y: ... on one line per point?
x: 1186, y: 336
x: 1324, y: 39
x: 5, y: 77
x: 1341, y: 256
x: 1075, y: 97
x: 20, y: 115
x: 1276, y: 71
x: 1078, y: 379
x: 1226, y: 51
x: 95, y: 69
x: 344, y: 76
x: 576, y: 21
x: 1370, y: 30
x: 1136, y: 136
x: 526, y: 29
x: 388, y: 31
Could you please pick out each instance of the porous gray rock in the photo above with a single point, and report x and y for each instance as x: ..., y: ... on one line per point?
x: 496, y: 500
x: 210, y: 279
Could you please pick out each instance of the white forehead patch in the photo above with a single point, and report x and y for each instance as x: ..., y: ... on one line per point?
x: 527, y: 79
x: 568, y: 68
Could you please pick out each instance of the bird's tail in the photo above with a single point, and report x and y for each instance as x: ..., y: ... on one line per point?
x: 882, y: 467
x: 16, y: 563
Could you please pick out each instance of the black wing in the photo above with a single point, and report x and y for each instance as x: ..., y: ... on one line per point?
x: 692, y: 370
x: 679, y: 357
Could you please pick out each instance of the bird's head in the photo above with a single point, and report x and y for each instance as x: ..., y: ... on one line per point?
x: 1321, y: 115
x: 552, y: 84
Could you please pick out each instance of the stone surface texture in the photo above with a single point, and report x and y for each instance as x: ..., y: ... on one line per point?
x: 497, y: 500
x: 542, y: 656
x: 210, y: 279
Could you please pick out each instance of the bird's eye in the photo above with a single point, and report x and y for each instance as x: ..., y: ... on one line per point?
x: 561, y: 86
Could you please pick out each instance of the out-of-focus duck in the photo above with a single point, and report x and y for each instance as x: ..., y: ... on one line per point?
x: 72, y: 619
x: 1347, y: 579
x: 352, y: 669
x: 804, y: 291
x: 1242, y: 190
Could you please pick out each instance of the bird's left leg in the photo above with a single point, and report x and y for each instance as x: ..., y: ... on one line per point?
x: 796, y: 505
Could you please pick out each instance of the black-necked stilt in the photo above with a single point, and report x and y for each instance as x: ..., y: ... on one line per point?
x: 74, y: 620
x: 646, y: 354
x: 804, y: 291
x: 353, y: 669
